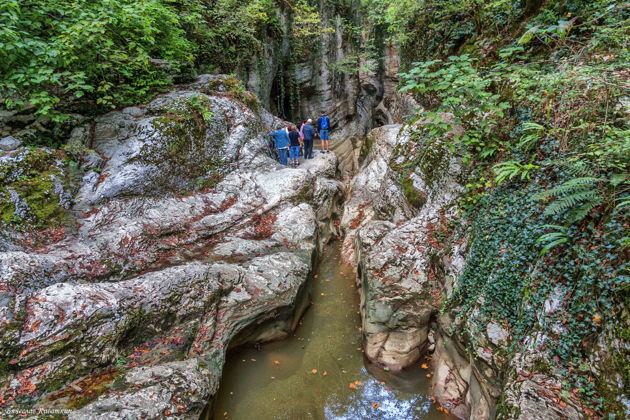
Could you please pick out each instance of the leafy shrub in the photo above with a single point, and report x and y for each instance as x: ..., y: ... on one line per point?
x: 56, y: 54
x: 58, y: 57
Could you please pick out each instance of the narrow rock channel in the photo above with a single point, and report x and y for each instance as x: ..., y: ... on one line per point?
x: 320, y: 372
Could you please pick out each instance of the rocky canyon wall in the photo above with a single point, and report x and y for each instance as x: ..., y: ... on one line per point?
x: 355, y: 86
x: 410, y: 244
x: 185, y: 237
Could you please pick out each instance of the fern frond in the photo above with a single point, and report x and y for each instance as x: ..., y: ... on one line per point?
x: 552, y: 239
x: 582, y: 211
x: 567, y: 202
x: 575, y: 168
x: 624, y: 202
x: 534, y: 132
x: 571, y: 186
x: 532, y: 126
x: 550, y: 245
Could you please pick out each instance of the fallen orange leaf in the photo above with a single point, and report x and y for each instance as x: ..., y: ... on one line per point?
x: 351, y: 385
x: 376, y: 405
x: 424, y: 366
x: 358, y: 383
x: 314, y: 371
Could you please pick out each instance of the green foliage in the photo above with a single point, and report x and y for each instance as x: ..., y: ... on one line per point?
x: 555, y: 108
x: 55, y: 54
x: 426, y: 29
x: 577, y: 196
x: 513, y: 169
x: 227, y: 34
x: 306, y: 27
x: 355, y: 64
x: 455, y: 87
x: 551, y: 239
x: 58, y: 57
x: 536, y: 110
x: 533, y: 133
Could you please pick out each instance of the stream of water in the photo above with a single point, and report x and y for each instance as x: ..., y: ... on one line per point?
x: 320, y: 372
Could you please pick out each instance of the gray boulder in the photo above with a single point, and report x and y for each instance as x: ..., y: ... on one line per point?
x: 190, y: 238
x: 9, y: 143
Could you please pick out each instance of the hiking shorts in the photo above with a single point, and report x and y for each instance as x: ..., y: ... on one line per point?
x: 323, y: 134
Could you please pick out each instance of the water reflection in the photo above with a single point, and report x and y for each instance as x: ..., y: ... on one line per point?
x: 320, y: 372
x: 379, y: 401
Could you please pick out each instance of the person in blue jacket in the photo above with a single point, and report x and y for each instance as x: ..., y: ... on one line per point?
x: 323, y: 125
x: 281, y: 141
x: 308, y: 133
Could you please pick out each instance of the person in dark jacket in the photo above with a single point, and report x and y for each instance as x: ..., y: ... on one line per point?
x: 294, y: 144
x: 323, y: 125
x: 309, y: 135
x: 281, y: 141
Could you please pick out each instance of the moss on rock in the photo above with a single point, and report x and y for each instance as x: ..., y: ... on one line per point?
x: 415, y: 197
x: 34, y: 187
x: 188, y: 143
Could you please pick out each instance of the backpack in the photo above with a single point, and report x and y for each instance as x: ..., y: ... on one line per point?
x: 324, y: 123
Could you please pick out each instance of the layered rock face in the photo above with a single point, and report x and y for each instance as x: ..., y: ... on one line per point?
x: 388, y: 236
x: 302, y: 85
x: 398, y: 221
x: 187, y: 238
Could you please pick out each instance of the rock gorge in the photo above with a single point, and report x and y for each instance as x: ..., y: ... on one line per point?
x: 157, y: 276
x: 178, y: 237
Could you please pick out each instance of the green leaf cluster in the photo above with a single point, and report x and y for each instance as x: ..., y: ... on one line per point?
x: 56, y: 53
x: 60, y: 57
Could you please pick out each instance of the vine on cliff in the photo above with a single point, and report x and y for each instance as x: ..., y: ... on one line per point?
x: 545, y: 142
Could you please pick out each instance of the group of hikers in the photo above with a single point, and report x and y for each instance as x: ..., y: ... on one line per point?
x: 291, y: 142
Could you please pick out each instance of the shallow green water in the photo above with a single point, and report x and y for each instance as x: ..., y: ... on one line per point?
x: 308, y: 376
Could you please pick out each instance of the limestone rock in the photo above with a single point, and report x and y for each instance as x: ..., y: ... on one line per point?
x: 9, y: 143
x: 190, y: 239
x: 389, y: 239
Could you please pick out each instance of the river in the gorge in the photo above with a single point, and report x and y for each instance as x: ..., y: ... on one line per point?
x: 320, y: 372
